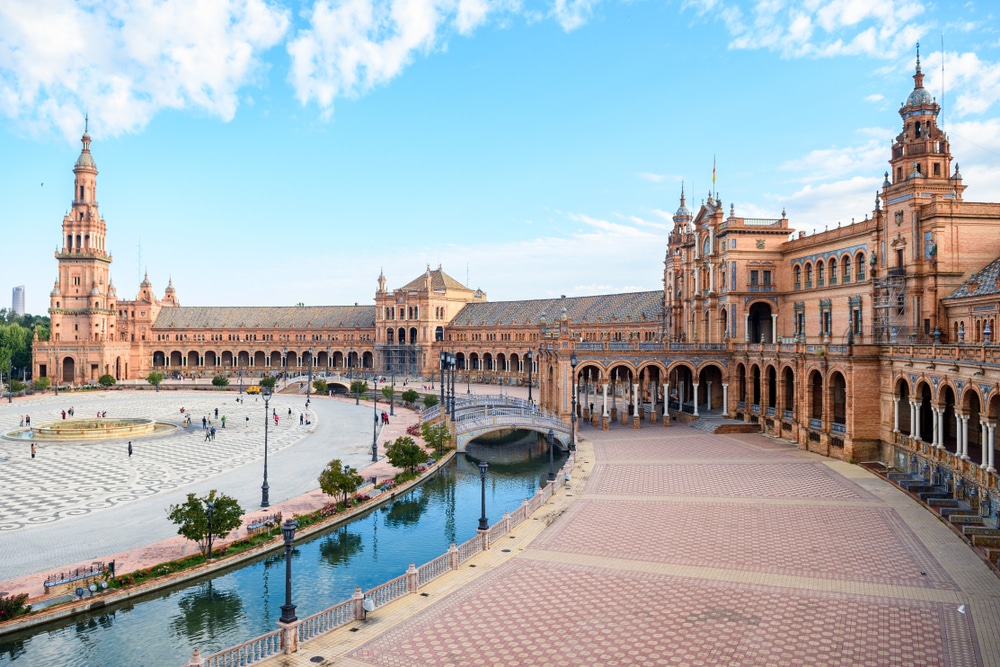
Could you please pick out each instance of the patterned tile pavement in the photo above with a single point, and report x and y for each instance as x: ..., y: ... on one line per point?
x: 746, y: 480
x: 672, y: 547
x: 596, y: 616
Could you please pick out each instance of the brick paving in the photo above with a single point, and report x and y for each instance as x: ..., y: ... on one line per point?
x: 673, y: 547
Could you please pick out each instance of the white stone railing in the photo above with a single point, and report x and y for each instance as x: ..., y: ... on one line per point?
x: 273, y: 644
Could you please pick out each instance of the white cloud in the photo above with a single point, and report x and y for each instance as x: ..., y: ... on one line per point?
x: 571, y: 14
x: 972, y: 84
x: 832, y: 163
x: 653, y: 178
x: 875, y: 97
x: 124, y: 62
x: 818, y: 28
x: 353, y: 46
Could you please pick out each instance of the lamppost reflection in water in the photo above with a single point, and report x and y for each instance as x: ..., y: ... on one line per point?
x: 206, y: 612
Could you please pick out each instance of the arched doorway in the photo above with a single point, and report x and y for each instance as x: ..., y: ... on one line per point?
x: 710, y: 388
x: 69, y: 370
x: 759, y: 323
x: 838, y: 394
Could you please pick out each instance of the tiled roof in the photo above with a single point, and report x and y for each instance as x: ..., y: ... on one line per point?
x: 265, y: 317
x: 439, y: 281
x: 634, y: 306
x: 986, y: 279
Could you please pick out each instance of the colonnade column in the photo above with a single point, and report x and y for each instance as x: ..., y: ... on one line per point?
x: 941, y: 425
x: 746, y: 327
x: 992, y: 447
x: 965, y: 437
x: 666, y: 404
x: 725, y: 399
x: 774, y: 328
x: 604, y: 410
x: 694, y: 386
x: 934, y: 427
x: 915, y: 422
x: 983, y: 439
x: 635, y: 399
x: 895, y: 414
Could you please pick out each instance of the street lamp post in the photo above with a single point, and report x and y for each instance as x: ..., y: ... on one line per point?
x: 265, y: 393
x: 10, y: 376
x: 210, y: 507
x: 551, y: 436
x: 375, y: 424
x: 452, y: 362
x: 392, y: 394
x: 572, y: 420
x: 284, y: 364
x: 528, y: 357
x: 444, y: 365
x: 240, y: 374
x: 312, y: 353
x: 483, y: 523
x: 288, y: 609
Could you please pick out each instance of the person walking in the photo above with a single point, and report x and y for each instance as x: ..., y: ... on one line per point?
x: 130, y: 449
x: 32, y: 450
x: 248, y: 420
x: 204, y: 423
x: 213, y: 434
x: 208, y: 435
x: 223, y: 421
x: 217, y: 413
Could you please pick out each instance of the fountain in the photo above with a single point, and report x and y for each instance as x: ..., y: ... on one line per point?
x: 106, y: 428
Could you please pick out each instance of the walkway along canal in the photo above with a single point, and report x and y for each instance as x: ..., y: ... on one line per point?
x: 231, y: 607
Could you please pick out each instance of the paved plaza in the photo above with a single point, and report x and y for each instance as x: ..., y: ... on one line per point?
x: 76, y: 502
x: 676, y: 547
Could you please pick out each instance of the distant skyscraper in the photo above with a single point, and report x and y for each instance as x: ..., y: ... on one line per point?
x: 18, y: 300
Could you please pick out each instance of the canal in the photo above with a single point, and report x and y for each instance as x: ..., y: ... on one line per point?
x: 233, y: 606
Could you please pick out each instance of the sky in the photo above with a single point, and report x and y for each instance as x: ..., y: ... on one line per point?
x: 271, y: 152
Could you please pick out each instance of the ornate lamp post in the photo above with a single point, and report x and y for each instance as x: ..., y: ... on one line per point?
x: 284, y: 364
x: 392, y: 396
x: 312, y: 353
x: 551, y: 436
x: 375, y: 424
x: 572, y: 419
x: 265, y: 393
x: 528, y: 357
x: 288, y: 609
x: 240, y: 374
x: 444, y: 365
x: 483, y: 522
x: 210, y: 508
x: 452, y: 362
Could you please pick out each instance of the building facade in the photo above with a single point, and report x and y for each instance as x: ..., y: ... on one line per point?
x: 859, y: 342
x: 17, y: 300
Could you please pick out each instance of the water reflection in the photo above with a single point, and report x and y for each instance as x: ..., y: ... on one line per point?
x: 340, y: 547
x: 406, y: 512
x: 207, y: 612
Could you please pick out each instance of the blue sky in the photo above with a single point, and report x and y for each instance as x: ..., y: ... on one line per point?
x: 266, y: 152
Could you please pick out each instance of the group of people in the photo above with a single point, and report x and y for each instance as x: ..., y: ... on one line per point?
x: 70, y: 412
x: 25, y: 421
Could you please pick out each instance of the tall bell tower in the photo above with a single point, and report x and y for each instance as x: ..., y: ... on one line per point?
x: 82, y: 305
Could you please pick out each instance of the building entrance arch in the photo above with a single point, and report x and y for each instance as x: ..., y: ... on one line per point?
x: 760, y: 323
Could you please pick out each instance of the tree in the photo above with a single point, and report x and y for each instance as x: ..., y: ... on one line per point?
x: 320, y: 386
x: 430, y: 400
x: 107, y: 380
x: 42, y: 384
x: 359, y: 387
x: 388, y: 392
x: 410, y: 396
x: 268, y: 381
x: 436, y: 435
x: 406, y: 454
x: 220, y: 382
x: 337, y: 478
x: 155, y: 378
x: 191, y: 518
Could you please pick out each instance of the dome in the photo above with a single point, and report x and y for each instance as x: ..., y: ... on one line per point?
x: 55, y: 290
x: 919, y: 97
x: 86, y: 160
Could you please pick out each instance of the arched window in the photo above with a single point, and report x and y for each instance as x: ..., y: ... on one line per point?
x: 820, y: 274
x: 833, y: 270
x: 798, y: 276
x: 809, y: 275
x: 860, y: 258
x: 707, y: 248
x: 847, y: 268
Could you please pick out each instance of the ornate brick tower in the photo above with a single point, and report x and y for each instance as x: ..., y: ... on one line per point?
x: 83, y: 304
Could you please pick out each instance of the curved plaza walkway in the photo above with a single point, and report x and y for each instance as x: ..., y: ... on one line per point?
x: 79, y: 502
x: 675, y: 547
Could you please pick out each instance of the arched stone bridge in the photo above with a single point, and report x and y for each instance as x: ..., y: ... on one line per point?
x: 479, y: 414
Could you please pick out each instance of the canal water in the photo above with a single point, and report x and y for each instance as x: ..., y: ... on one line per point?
x: 231, y: 607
